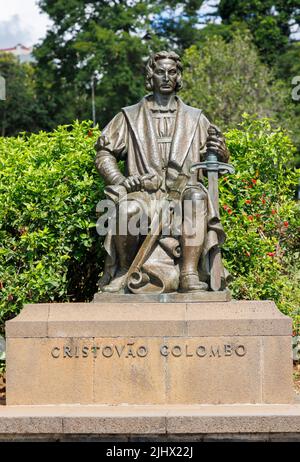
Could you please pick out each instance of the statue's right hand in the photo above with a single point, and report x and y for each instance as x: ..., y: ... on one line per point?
x: 132, y: 183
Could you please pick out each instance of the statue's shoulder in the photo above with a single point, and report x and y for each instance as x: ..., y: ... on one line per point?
x: 193, y: 111
x: 134, y: 108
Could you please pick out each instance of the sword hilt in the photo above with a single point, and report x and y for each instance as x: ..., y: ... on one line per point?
x: 213, y: 165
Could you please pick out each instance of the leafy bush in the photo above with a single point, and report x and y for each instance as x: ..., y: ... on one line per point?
x: 261, y: 217
x: 49, y: 188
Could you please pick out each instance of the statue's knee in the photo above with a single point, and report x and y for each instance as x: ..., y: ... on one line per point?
x: 129, y: 208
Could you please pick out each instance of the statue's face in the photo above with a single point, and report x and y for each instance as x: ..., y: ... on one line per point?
x: 165, y: 76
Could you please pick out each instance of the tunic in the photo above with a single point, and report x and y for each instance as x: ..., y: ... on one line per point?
x: 164, y: 124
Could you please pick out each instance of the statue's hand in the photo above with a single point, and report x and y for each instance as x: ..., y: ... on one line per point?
x: 151, y: 182
x: 216, y: 142
x: 132, y: 183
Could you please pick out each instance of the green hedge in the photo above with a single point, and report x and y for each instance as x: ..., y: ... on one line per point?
x: 49, y: 189
x: 261, y: 217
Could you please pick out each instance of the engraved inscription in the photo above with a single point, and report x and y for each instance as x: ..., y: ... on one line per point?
x: 129, y: 350
x: 133, y: 350
x: 211, y: 351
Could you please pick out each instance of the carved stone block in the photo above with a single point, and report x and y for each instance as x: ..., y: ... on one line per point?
x: 149, y: 353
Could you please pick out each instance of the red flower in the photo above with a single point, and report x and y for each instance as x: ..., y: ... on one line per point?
x: 229, y: 211
x: 271, y: 254
x: 254, y: 181
x: 250, y: 217
x: 225, y: 207
x: 248, y: 253
x: 248, y: 201
x: 286, y: 223
x: 90, y: 133
x: 273, y: 211
x: 263, y: 201
x: 22, y: 231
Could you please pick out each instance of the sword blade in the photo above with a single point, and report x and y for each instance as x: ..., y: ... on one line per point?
x: 215, y: 262
x: 213, y: 189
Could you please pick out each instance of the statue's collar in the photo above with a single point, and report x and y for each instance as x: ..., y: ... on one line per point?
x: 153, y: 106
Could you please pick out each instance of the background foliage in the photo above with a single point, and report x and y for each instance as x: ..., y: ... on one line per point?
x: 21, y: 111
x: 269, y: 21
x: 227, y: 79
x: 49, y: 189
x: 107, y: 42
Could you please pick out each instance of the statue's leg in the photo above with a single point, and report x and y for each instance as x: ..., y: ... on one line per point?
x: 126, y: 243
x: 194, y: 231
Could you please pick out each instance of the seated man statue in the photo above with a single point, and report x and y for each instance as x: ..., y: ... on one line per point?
x: 159, y: 139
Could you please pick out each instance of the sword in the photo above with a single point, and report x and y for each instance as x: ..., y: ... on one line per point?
x: 214, y: 168
x: 136, y: 278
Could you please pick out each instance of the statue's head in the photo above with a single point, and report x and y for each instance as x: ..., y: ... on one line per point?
x: 164, y: 71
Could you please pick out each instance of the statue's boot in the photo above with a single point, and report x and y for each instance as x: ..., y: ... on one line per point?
x: 118, y: 283
x: 192, y: 241
x: 189, y: 282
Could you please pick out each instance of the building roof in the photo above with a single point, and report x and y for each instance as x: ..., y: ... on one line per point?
x: 24, y: 54
x: 17, y: 47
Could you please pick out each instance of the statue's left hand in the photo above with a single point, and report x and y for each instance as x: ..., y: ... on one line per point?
x: 216, y: 143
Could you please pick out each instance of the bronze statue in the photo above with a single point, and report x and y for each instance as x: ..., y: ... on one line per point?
x: 167, y: 148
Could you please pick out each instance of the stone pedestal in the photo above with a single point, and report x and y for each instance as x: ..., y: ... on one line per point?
x: 149, y: 353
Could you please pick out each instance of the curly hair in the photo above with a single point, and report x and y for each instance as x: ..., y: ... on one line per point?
x: 151, y: 66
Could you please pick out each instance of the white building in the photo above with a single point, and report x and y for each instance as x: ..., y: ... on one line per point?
x: 24, y: 54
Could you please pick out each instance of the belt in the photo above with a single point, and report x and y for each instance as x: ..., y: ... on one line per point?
x: 164, y: 139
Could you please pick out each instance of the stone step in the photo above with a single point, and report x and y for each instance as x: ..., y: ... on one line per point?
x: 150, y: 420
